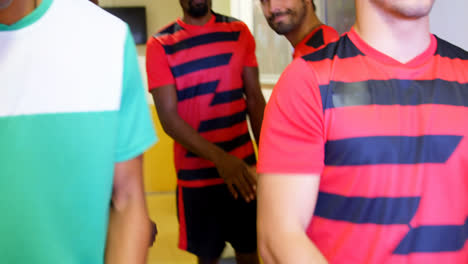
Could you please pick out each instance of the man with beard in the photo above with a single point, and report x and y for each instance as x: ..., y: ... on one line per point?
x: 202, y: 72
x: 297, y: 21
x: 364, y: 145
x: 74, y: 123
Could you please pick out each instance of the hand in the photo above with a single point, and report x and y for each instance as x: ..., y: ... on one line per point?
x: 238, y: 176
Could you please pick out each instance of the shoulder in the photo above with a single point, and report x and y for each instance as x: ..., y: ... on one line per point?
x: 297, y: 76
x: 330, y: 32
x: 219, y: 18
x: 169, y: 29
x: 341, y: 48
x: 447, y: 49
x: 230, y: 22
x: 321, y: 36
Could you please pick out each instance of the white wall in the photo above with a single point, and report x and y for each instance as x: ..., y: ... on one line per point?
x: 449, y: 20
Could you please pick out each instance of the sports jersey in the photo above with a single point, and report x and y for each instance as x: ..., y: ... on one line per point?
x: 315, y: 40
x: 71, y: 106
x: 389, y: 140
x: 205, y: 63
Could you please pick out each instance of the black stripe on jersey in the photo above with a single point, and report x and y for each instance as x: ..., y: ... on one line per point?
x: 222, y: 122
x: 229, y: 145
x: 450, y: 238
x: 223, y: 19
x: 171, y: 29
x: 363, y: 210
x: 202, y: 40
x: 379, y: 150
x: 394, y: 92
x: 343, y: 48
x: 448, y: 50
x: 209, y: 173
x: 198, y: 174
x: 316, y: 40
x: 228, y: 96
x: 201, y: 64
x: 197, y: 90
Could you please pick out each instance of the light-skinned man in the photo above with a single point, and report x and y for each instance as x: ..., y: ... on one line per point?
x: 298, y: 22
x: 364, y: 146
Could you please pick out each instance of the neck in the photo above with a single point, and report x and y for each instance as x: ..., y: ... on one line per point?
x: 400, y: 38
x: 197, y: 21
x: 310, y: 23
x: 17, y: 10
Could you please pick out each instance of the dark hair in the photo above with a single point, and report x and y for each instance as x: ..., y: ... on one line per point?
x: 313, y: 5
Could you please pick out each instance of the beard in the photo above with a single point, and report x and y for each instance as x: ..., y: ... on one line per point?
x: 197, y: 10
x: 295, y: 19
x: 5, y: 4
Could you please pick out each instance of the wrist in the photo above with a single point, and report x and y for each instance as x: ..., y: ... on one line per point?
x: 218, y: 156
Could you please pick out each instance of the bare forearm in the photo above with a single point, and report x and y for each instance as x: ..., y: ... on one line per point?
x: 289, y: 248
x: 128, y: 234
x: 256, y: 107
x: 255, y: 100
x: 188, y: 137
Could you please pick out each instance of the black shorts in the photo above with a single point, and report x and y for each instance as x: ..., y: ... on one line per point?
x: 209, y: 217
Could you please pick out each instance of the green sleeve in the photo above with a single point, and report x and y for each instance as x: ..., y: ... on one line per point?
x: 136, y: 131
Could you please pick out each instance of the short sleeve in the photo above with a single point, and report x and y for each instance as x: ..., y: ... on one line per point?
x: 135, y: 129
x: 250, y: 57
x: 157, y: 66
x: 292, y: 137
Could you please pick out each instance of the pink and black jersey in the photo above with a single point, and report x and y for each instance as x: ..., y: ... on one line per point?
x: 316, y: 39
x: 205, y: 63
x: 390, y: 141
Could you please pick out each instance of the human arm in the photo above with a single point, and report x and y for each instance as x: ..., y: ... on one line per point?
x: 291, y: 158
x: 129, y: 226
x: 161, y: 82
x: 254, y: 99
x: 285, y: 207
x: 128, y: 233
x: 252, y: 89
x: 233, y: 170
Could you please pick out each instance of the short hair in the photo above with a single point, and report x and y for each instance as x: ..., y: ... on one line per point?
x: 313, y: 5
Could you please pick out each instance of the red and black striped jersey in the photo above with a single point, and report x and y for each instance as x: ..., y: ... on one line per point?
x: 315, y: 40
x: 390, y: 141
x: 205, y: 63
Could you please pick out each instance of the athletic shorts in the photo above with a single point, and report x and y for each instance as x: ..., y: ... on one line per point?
x: 210, y: 216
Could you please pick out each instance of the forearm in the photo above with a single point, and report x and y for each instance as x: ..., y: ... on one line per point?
x: 255, y: 108
x: 128, y: 234
x: 284, y: 248
x: 254, y: 99
x: 188, y: 137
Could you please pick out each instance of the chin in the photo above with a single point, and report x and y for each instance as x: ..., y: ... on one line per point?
x: 412, y: 9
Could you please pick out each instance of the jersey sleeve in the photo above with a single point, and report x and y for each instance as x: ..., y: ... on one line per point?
x: 292, y: 137
x: 250, y: 57
x: 135, y: 128
x: 157, y: 66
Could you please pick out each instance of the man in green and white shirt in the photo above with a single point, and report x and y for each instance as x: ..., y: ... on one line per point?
x: 74, y: 123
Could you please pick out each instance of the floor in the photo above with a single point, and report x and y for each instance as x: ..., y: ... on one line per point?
x: 162, y: 209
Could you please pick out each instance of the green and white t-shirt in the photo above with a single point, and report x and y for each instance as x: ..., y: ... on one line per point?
x: 72, y: 105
